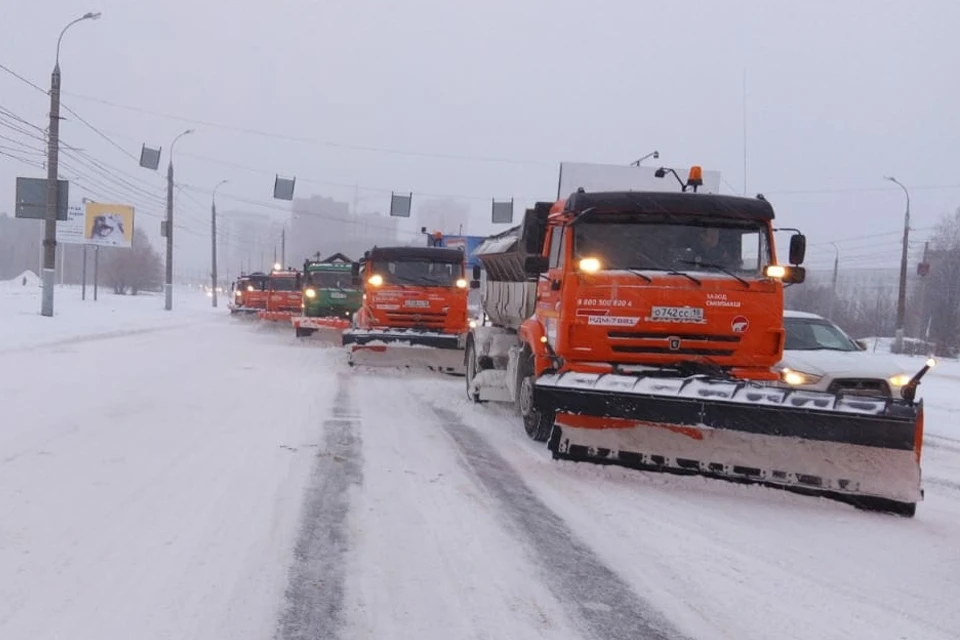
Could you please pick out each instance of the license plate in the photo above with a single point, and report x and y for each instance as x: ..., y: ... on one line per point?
x: 417, y: 303
x: 677, y: 314
x: 338, y: 296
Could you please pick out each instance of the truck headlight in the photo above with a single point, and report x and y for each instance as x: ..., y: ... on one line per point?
x: 899, y: 380
x: 461, y: 283
x: 590, y: 265
x: 310, y: 293
x: 249, y: 287
x: 376, y: 280
x: 798, y: 378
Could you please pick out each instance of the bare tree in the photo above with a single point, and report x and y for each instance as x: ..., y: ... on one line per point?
x: 136, y: 269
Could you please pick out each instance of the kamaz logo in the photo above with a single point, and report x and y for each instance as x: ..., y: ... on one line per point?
x: 673, y: 343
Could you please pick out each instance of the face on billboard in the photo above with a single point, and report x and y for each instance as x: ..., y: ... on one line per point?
x: 109, y: 225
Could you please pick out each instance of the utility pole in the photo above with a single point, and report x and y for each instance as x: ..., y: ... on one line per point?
x: 283, y: 246
x: 213, y: 240
x: 902, y: 295
x: 168, y: 284
x: 836, y: 271
x: 924, y: 325
x: 48, y: 274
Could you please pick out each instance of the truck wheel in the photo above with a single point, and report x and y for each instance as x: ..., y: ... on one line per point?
x: 471, y: 370
x: 537, y: 421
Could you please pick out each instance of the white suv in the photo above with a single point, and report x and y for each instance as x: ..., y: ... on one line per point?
x: 819, y: 356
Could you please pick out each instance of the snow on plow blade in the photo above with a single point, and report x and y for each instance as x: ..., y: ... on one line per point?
x: 406, y: 349
x: 859, y: 450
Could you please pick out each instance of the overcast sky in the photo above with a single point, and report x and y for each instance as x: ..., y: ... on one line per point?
x: 424, y: 95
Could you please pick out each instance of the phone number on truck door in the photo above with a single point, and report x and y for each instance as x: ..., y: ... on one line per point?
x: 594, y: 302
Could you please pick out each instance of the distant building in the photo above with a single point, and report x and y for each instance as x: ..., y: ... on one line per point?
x: 324, y: 225
x: 246, y: 241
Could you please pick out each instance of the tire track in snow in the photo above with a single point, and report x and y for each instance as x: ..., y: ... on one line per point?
x: 315, y: 594
x: 601, y: 599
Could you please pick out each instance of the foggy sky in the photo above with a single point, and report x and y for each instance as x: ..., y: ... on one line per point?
x: 839, y: 93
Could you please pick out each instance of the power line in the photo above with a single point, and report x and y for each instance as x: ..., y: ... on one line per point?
x: 313, y: 141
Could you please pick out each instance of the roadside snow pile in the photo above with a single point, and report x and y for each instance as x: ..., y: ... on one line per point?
x: 27, y: 279
x: 22, y: 326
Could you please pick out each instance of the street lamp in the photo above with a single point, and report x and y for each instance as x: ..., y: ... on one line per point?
x: 53, y: 185
x: 168, y: 285
x: 213, y: 239
x: 902, y: 296
x: 652, y: 154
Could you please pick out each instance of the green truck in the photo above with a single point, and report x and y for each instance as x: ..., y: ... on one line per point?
x: 330, y: 297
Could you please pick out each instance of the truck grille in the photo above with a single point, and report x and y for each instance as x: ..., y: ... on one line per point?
x: 427, y: 319
x: 861, y: 387
x: 679, y: 344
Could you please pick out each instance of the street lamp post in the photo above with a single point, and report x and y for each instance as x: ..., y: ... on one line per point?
x: 168, y: 285
x: 213, y: 239
x: 652, y: 154
x: 902, y: 296
x: 53, y: 186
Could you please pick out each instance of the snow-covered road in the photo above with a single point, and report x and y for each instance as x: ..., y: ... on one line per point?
x: 197, y: 476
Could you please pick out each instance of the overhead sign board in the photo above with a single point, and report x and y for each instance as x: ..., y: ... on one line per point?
x: 32, y: 198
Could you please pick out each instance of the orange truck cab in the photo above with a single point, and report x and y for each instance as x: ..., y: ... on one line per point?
x: 413, y: 297
x: 249, y: 293
x: 284, y: 298
x: 641, y: 328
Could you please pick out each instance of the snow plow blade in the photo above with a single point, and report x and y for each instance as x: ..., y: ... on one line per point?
x: 859, y: 450
x: 406, y: 349
x: 275, y: 316
x: 327, y: 329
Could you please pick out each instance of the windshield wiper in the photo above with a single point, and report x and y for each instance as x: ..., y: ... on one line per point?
x: 713, y: 265
x: 674, y: 272
x: 640, y: 275
x: 670, y: 272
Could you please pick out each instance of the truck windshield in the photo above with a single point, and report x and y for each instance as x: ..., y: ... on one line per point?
x: 331, y: 279
x: 738, y: 246
x: 419, y: 272
x: 284, y: 284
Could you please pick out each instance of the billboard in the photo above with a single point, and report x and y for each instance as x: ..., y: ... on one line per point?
x: 611, y: 177
x: 70, y: 231
x: 108, y: 225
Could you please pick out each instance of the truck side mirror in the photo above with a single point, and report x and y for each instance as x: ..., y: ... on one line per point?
x: 474, y: 284
x: 798, y: 248
x: 535, y: 265
x: 476, y: 272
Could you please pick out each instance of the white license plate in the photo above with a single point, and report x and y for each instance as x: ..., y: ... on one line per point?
x: 417, y: 303
x: 338, y: 296
x: 690, y: 314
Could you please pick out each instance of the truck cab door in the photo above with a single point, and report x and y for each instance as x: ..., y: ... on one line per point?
x: 549, y: 287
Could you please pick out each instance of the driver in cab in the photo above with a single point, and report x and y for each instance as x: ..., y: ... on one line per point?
x: 708, y: 250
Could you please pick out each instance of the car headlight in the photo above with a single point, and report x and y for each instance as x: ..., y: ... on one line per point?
x: 310, y: 293
x: 798, y: 378
x: 899, y: 380
x: 473, y: 324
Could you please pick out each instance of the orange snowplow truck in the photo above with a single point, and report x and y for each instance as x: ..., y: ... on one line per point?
x: 283, y: 296
x: 249, y: 293
x: 641, y: 329
x: 414, y: 311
